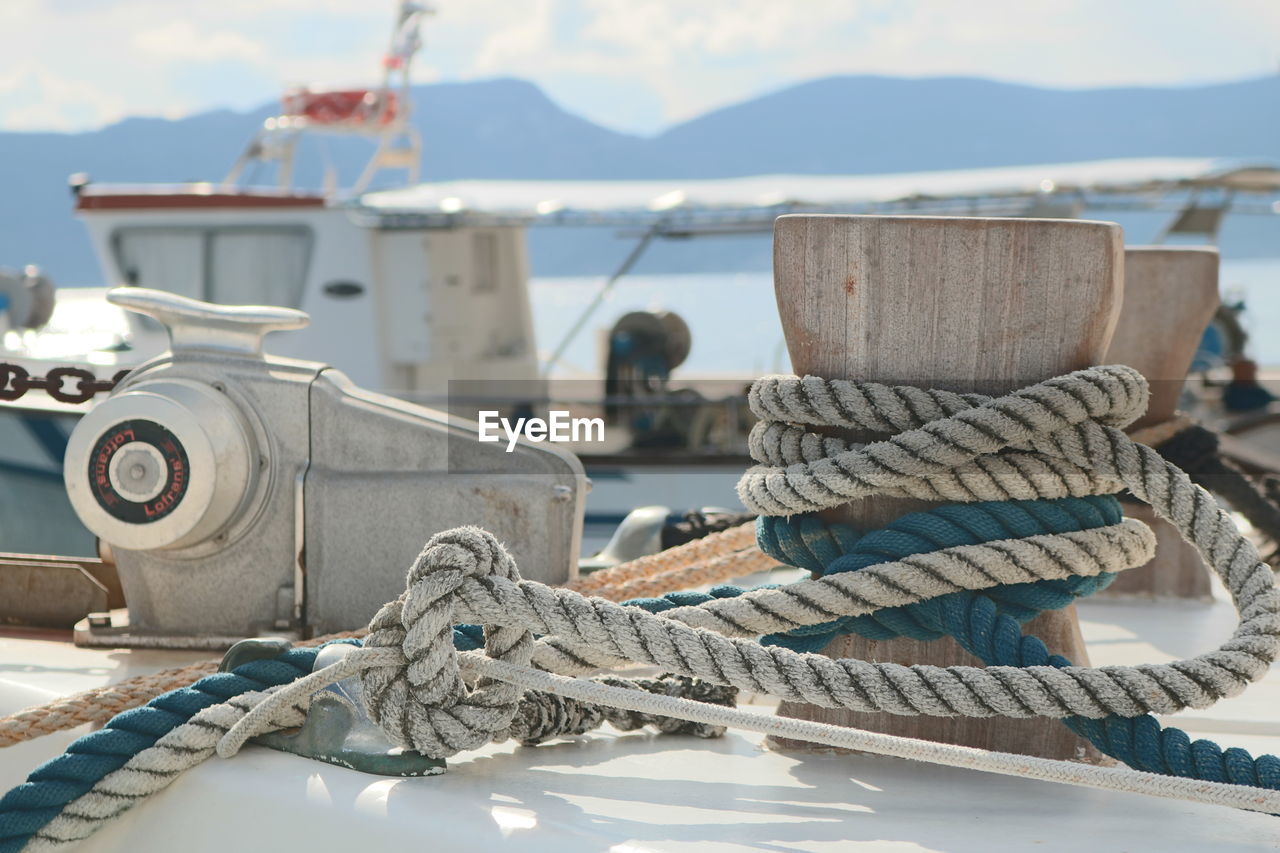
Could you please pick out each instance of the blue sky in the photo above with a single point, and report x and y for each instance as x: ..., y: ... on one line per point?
x: 636, y: 65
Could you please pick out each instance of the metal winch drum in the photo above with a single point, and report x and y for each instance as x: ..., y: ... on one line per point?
x: 244, y: 494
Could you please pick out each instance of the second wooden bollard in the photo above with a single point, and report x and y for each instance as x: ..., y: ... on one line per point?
x: 1170, y: 295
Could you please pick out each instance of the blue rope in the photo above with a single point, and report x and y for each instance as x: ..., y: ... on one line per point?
x: 807, y: 542
x: 987, y: 624
x: 51, y: 786
x: 1140, y: 742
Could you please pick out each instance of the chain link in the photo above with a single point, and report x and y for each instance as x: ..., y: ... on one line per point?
x: 15, y: 381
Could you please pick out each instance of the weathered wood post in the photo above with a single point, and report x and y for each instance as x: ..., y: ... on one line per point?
x: 1170, y: 295
x: 985, y: 305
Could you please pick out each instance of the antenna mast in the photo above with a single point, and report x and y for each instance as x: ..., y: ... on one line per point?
x: 381, y: 113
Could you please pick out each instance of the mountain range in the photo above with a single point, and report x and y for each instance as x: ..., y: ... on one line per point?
x: 507, y: 128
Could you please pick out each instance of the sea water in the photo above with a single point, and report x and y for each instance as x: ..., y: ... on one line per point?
x: 735, y: 326
x: 1256, y: 283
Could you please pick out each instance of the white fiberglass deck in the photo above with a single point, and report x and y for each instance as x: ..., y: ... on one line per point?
x: 633, y: 792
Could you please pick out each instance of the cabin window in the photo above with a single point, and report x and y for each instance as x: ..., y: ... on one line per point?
x: 229, y: 266
x: 258, y: 266
x: 163, y: 259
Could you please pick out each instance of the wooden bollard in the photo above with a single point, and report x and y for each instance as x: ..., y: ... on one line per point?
x: 987, y: 305
x: 1170, y: 295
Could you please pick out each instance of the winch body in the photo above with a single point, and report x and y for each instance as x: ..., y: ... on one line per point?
x: 244, y: 494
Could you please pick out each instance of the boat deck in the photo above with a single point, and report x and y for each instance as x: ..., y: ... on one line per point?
x: 635, y: 792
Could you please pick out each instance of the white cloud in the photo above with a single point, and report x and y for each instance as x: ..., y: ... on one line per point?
x: 93, y: 61
x: 34, y: 98
x: 518, y: 41
x: 180, y: 40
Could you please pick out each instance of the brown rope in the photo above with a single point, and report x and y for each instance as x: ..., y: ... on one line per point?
x: 102, y: 703
x: 732, y: 565
x: 678, y: 568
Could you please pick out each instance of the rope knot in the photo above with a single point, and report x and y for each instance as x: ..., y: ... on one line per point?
x: 423, y: 703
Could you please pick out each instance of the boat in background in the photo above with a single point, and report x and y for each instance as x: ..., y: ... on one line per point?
x: 422, y: 291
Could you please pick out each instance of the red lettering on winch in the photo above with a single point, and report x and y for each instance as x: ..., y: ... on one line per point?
x: 102, y: 461
x: 177, y: 485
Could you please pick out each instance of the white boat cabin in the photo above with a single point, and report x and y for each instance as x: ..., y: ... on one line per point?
x: 441, y: 303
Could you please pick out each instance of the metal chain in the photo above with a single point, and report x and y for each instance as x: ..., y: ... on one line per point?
x: 15, y: 381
